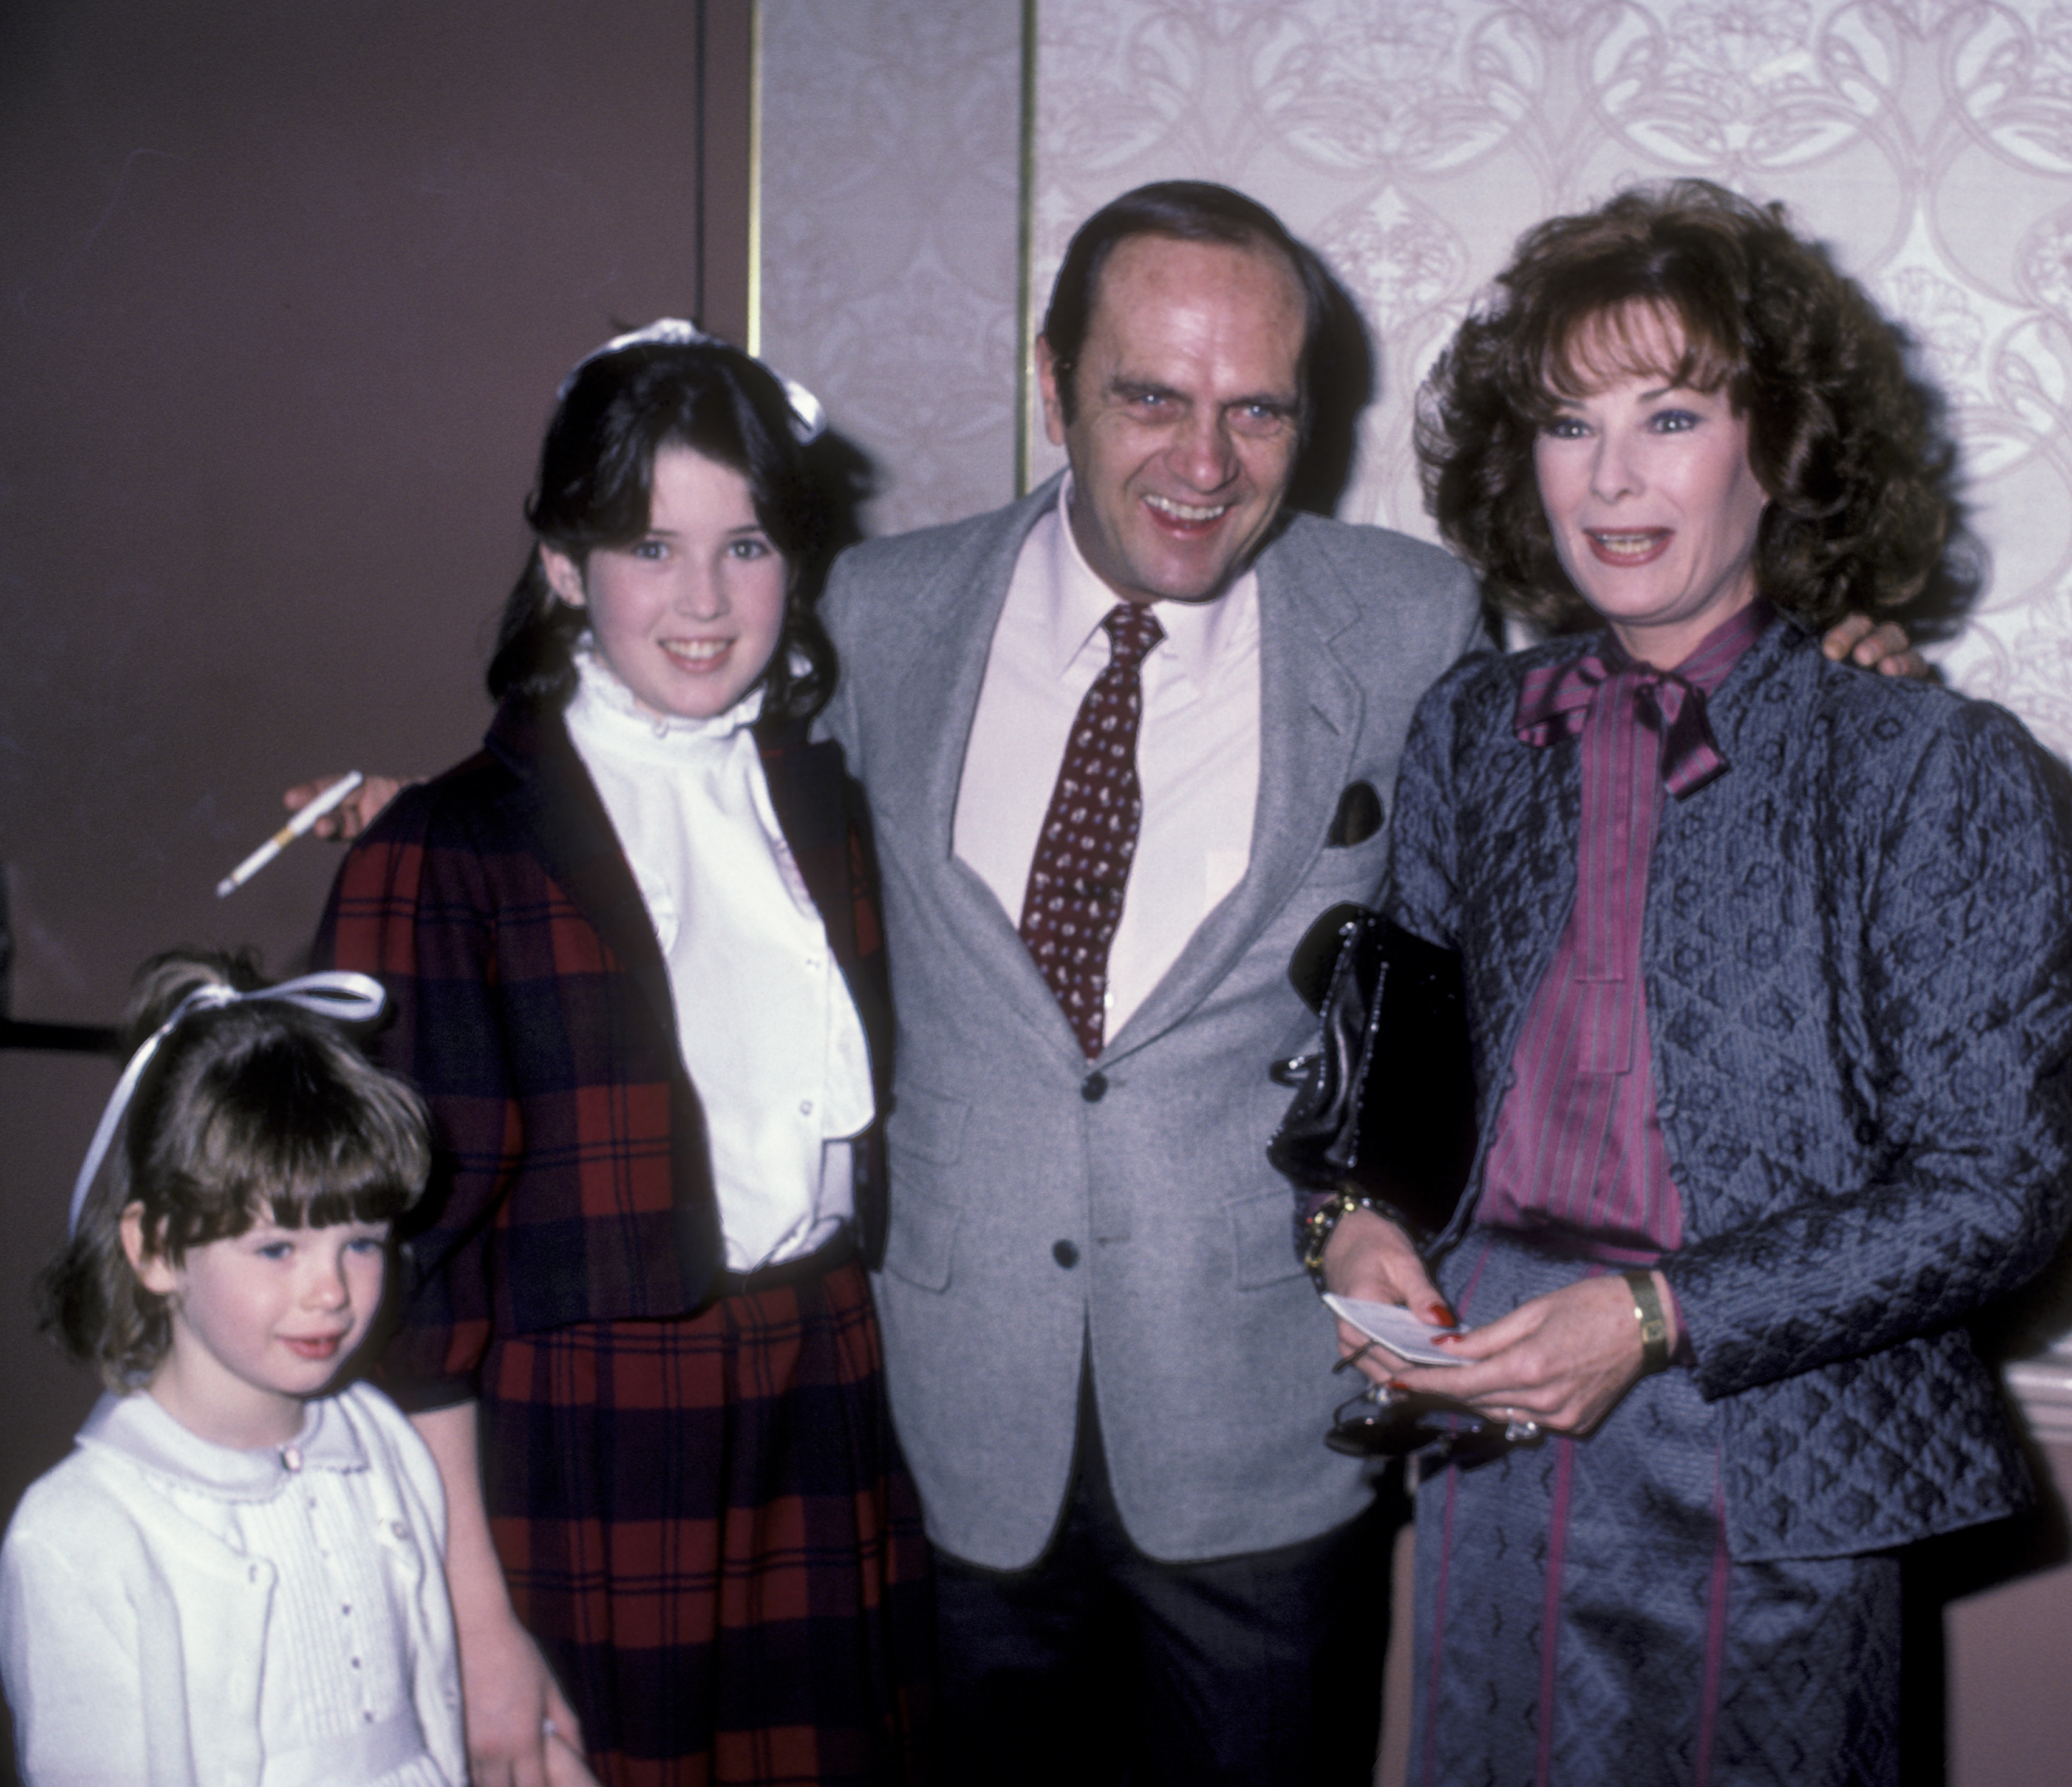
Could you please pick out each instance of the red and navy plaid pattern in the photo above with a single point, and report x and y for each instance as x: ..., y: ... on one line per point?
x: 703, y: 1523
x: 533, y: 1010
x: 698, y: 1496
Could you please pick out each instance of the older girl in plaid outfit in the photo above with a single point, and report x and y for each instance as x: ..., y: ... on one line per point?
x: 633, y: 949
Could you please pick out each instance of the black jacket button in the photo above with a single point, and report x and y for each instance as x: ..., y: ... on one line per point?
x: 1066, y: 1254
x: 1094, y: 1088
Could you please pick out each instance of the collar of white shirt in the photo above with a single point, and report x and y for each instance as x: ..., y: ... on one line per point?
x: 1198, y: 750
x: 1079, y: 601
x: 136, y: 1426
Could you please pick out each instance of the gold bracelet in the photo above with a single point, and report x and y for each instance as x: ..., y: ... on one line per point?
x: 1654, y: 1324
x: 1321, y: 1223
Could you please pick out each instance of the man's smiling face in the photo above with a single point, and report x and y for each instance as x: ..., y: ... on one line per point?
x: 1187, y: 414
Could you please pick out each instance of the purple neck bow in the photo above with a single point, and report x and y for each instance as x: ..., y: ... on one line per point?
x: 1554, y: 703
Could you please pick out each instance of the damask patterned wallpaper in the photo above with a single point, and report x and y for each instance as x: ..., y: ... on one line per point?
x: 1929, y: 140
x: 891, y: 179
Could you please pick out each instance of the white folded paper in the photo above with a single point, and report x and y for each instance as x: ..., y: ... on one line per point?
x: 1395, y: 1328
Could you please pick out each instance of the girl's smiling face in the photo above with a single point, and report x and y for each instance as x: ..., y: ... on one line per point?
x: 260, y: 1321
x: 1649, y: 493
x: 687, y: 616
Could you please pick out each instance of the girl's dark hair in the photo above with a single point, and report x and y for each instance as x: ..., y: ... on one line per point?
x: 596, y: 481
x: 258, y: 1108
x: 1848, y: 447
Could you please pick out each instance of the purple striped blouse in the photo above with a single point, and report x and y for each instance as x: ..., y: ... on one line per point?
x: 1578, y: 1146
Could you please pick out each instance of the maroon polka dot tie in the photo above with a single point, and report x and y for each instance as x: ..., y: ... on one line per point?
x: 1082, y: 862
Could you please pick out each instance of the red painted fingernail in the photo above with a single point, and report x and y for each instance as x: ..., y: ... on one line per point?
x: 1446, y: 1317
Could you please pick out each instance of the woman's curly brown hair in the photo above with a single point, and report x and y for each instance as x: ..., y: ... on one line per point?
x: 1846, y: 444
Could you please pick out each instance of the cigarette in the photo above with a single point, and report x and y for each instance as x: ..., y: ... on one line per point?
x: 288, y: 834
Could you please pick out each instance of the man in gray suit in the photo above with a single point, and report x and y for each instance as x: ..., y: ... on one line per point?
x: 1108, y: 1369
x: 1109, y: 1373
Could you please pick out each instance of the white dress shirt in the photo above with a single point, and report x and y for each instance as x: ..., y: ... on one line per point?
x: 1197, y: 749
x: 770, y: 1036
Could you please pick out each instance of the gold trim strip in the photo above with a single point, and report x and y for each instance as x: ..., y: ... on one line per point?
x: 1025, y: 329
x: 754, y: 343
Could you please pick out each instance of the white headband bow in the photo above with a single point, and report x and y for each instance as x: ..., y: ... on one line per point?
x: 349, y: 997
x: 809, y: 420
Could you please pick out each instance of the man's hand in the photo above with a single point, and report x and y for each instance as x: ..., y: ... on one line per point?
x: 1858, y: 640
x: 1563, y: 1359
x: 355, y: 812
x: 1371, y: 1258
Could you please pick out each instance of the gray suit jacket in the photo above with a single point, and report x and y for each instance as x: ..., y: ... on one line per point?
x: 1210, y: 1359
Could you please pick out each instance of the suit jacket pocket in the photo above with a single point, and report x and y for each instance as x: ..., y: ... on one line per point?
x: 925, y: 1131
x: 925, y: 1126
x: 1357, y: 868
x: 921, y: 1241
x: 1263, y: 1232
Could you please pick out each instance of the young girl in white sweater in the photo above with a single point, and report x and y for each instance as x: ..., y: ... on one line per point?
x: 235, y: 1575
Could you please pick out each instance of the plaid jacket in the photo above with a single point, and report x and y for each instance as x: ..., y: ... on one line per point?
x: 533, y: 1009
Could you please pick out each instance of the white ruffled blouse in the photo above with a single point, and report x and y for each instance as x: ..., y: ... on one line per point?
x: 770, y: 1035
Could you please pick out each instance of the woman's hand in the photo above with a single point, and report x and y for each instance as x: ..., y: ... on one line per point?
x: 1371, y: 1258
x: 1563, y: 1359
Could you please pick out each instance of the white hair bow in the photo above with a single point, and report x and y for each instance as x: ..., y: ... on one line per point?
x: 337, y: 992
x: 809, y: 420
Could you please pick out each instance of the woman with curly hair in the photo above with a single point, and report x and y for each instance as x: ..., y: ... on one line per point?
x: 1770, y: 987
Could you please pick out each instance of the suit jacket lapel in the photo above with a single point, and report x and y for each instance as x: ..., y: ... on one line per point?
x: 1309, y: 719
x: 956, y: 615
x: 1310, y: 710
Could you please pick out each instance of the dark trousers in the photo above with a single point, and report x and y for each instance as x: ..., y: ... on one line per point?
x: 1098, y: 1664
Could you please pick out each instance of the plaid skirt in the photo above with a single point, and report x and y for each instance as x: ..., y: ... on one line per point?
x: 1579, y: 1621
x: 706, y: 1524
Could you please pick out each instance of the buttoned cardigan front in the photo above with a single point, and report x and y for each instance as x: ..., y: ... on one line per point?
x: 135, y: 1636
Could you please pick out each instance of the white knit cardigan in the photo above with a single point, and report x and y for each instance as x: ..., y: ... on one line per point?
x: 132, y: 1635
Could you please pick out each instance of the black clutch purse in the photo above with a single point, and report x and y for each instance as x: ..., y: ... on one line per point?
x: 1387, y: 1104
